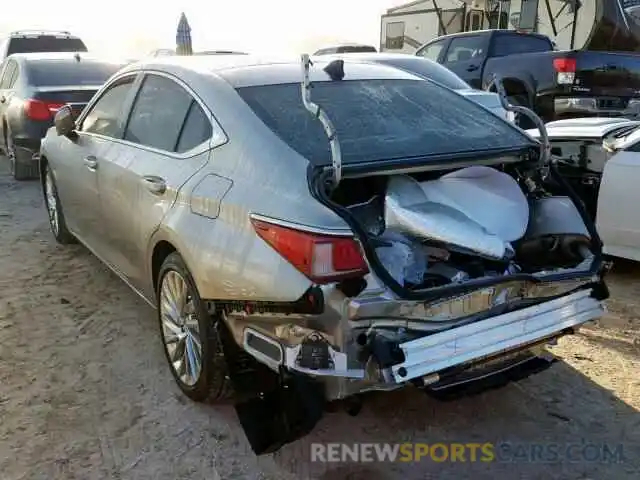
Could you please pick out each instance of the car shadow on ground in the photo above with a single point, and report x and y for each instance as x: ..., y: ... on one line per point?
x: 555, y: 409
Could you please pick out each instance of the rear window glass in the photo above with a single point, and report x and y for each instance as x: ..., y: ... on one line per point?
x: 381, y: 120
x: 431, y: 70
x: 58, y: 73
x: 45, y: 43
x: 355, y: 49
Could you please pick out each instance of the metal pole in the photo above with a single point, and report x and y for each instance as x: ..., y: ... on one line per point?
x: 439, y: 14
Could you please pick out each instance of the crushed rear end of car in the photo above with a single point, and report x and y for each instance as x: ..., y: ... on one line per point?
x: 458, y: 268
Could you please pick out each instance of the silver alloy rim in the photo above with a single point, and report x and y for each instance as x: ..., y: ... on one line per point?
x: 180, y: 330
x: 52, y: 204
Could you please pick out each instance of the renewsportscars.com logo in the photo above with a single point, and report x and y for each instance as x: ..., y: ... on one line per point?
x: 503, y: 452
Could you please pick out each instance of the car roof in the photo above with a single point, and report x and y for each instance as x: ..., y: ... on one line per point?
x: 251, y: 70
x: 41, y: 33
x: 375, y: 56
x: 490, y: 31
x: 57, y: 56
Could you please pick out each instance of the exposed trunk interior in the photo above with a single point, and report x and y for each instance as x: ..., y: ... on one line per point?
x: 450, y: 228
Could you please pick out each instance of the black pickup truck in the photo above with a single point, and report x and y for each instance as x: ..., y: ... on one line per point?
x: 556, y: 84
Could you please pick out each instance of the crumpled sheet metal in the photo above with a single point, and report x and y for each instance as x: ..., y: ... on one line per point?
x: 408, y: 209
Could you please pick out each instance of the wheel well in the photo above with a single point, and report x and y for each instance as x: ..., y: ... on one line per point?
x: 513, y: 87
x: 42, y: 164
x: 160, y: 252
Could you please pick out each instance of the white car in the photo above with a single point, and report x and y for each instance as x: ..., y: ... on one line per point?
x: 433, y: 71
x: 600, y: 158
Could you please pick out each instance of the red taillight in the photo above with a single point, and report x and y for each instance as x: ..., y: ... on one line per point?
x: 322, y: 258
x: 565, y: 70
x: 564, y: 65
x: 41, y: 110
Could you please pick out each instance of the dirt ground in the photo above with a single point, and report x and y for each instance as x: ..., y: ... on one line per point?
x: 85, y: 392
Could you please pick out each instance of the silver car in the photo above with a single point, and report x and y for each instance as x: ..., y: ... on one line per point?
x: 311, y: 231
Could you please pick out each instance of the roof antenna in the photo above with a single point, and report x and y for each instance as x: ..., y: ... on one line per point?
x: 335, y: 70
x: 317, y: 112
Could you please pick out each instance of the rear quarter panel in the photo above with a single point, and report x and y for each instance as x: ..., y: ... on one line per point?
x: 254, y: 172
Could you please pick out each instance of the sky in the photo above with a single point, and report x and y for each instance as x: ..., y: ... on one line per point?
x: 132, y: 28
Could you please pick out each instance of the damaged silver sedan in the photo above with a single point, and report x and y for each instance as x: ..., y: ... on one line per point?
x: 305, y: 245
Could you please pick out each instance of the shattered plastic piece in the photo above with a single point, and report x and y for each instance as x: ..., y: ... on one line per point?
x: 476, y: 210
x: 406, y: 261
x: 407, y: 209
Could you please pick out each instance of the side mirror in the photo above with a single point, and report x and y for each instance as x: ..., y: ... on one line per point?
x: 64, y: 122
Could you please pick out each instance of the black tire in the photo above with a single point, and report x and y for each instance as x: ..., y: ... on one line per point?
x: 19, y: 170
x: 214, y: 383
x: 61, y: 233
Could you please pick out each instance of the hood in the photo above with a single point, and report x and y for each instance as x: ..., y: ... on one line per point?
x: 584, y: 127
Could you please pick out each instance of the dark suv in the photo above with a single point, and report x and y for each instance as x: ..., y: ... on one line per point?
x: 28, y: 41
x: 33, y: 86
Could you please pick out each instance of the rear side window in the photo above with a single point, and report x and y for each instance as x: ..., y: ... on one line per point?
x: 513, y: 44
x: 106, y: 116
x: 165, y: 116
x: 8, y: 74
x: 45, y: 43
x: 196, y: 129
x: 466, y: 48
x: 381, y: 120
x: 72, y: 72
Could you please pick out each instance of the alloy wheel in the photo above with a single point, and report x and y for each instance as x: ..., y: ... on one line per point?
x: 180, y: 328
x: 52, y: 203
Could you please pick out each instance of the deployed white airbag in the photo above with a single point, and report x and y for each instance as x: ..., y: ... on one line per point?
x: 477, y: 209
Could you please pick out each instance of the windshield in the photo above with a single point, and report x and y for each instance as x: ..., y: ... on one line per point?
x: 45, y: 43
x: 381, y: 120
x: 58, y: 73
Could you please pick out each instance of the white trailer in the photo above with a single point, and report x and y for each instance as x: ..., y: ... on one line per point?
x: 571, y: 24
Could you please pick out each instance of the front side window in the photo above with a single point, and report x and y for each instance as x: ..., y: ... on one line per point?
x: 107, y: 114
x: 465, y: 48
x: 432, y: 52
x: 158, y: 113
x: 379, y: 120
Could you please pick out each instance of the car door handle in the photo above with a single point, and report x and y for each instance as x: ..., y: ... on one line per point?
x: 91, y: 162
x: 155, y: 185
x: 472, y: 68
